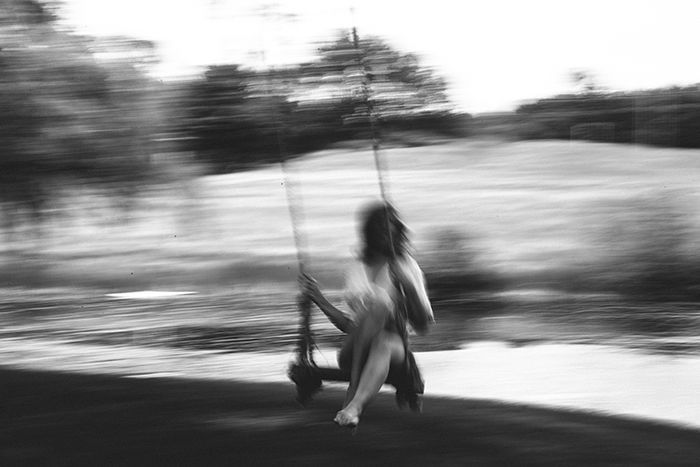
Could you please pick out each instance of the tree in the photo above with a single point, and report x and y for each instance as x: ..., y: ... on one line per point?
x: 234, y: 115
x: 584, y: 81
x: 395, y: 83
x: 67, y: 116
x: 238, y: 116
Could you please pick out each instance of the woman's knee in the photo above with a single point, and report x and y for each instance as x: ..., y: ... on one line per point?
x: 389, y: 343
x: 373, y: 321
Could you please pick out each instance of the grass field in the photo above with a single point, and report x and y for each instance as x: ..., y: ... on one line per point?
x: 559, y: 232
x: 520, y: 207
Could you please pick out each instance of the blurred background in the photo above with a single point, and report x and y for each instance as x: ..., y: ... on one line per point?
x: 143, y: 201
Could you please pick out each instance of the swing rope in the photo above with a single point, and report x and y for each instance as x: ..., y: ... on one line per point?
x: 402, y: 314
x: 409, y: 382
x: 305, y: 342
x: 294, y: 202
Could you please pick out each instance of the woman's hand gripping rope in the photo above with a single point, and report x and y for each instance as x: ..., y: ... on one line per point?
x: 309, y: 289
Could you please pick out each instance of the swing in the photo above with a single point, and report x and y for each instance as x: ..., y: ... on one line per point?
x: 304, y: 372
x: 309, y: 376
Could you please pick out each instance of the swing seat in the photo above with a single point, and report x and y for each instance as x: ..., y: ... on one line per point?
x: 408, y: 383
x: 307, y: 380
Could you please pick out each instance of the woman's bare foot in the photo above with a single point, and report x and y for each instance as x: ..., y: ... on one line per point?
x: 347, y: 417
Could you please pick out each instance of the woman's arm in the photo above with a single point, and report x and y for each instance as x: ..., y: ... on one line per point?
x: 411, y: 280
x: 335, y: 315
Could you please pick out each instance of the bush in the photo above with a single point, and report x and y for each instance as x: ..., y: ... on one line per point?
x: 452, y: 266
x: 650, y: 252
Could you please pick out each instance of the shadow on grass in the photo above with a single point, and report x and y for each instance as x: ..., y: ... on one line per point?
x: 70, y: 419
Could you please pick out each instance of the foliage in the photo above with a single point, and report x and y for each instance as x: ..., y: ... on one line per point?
x: 663, y: 117
x: 650, y: 250
x: 238, y: 116
x: 454, y: 269
x: 67, y: 115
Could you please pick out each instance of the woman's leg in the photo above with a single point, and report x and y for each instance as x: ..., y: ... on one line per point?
x: 386, y: 349
x: 345, y: 362
x: 356, y: 348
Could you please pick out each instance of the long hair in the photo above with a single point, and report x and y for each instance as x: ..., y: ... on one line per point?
x: 378, y: 242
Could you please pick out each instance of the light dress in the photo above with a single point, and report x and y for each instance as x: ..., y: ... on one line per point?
x: 361, y: 292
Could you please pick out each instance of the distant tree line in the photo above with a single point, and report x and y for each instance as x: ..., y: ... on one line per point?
x: 660, y: 117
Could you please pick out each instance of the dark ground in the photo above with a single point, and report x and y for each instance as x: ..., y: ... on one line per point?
x: 69, y: 419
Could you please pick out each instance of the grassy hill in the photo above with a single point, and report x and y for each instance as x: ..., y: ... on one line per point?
x: 571, y: 216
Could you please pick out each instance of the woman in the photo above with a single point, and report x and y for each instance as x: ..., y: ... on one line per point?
x: 383, y: 286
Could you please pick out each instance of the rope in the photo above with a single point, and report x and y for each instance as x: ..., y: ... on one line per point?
x: 408, y: 387
x: 371, y: 116
x: 383, y: 185
x: 305, y: 343
x: 303, y: 374
x: 294, y: 201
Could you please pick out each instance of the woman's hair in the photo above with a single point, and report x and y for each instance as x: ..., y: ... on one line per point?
x: 377, y: 241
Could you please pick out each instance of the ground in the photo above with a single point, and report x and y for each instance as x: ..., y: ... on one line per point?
x: 68, y: 419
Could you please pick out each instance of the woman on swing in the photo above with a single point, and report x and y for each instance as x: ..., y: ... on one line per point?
x: 385, y: 278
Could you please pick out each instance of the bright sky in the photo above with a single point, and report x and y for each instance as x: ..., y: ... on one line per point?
x: 494, y: 53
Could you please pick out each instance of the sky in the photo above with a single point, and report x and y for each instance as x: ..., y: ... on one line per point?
x: 494, y: 54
